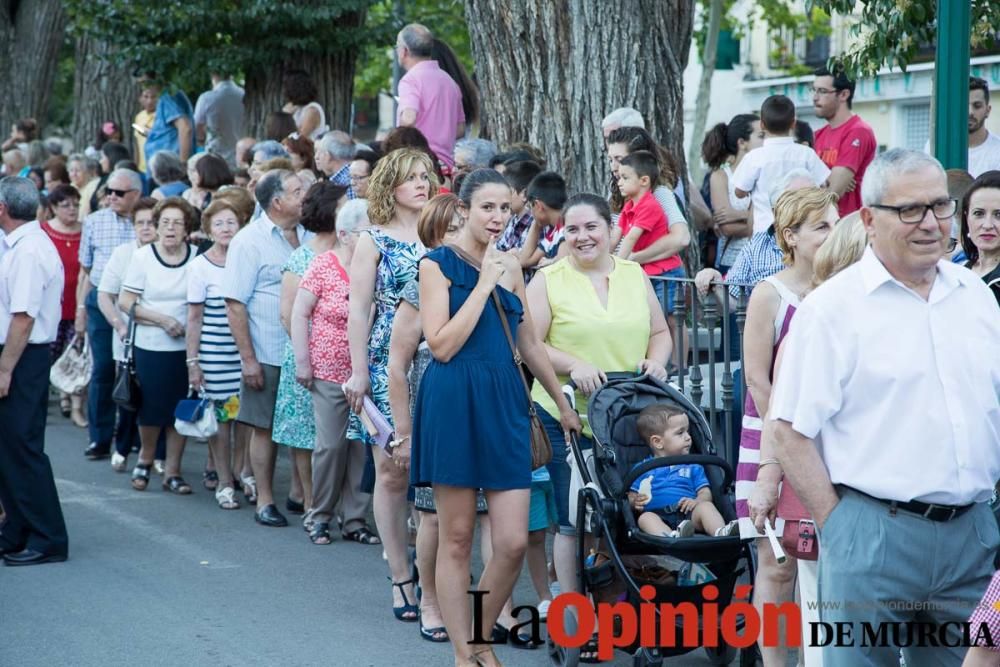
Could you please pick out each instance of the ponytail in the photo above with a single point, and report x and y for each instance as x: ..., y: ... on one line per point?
x: 713, y: 148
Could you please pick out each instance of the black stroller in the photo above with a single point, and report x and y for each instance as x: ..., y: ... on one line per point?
x: 619, y: 564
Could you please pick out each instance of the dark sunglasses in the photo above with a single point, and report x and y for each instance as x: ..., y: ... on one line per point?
x: 118, y: 193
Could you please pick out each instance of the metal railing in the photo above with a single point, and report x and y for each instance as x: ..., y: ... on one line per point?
x: 706, y: 361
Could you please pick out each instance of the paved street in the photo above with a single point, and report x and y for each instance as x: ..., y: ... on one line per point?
x: 157, y: 579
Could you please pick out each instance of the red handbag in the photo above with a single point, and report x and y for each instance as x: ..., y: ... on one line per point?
x: 799, y: 537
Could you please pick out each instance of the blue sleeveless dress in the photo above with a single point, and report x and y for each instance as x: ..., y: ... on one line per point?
x: 471, y: 425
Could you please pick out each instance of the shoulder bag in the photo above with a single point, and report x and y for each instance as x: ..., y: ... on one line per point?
x: 71, y: 371
x: 126, y: 392
x: 541, y: 447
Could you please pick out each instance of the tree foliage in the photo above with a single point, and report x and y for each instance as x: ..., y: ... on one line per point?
x: 181, y: 41
x: 786, y: 23
x: 891, y: 32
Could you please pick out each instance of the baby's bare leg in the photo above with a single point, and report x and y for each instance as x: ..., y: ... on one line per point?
x: 706, y: 518
x: 650, y: 522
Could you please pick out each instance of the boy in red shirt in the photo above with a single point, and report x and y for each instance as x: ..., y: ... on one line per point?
x: 642, y: 219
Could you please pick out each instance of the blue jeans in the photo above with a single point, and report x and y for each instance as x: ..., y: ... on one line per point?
x: 558, y: 468
x: 668, y: 288
x: 100, y: 408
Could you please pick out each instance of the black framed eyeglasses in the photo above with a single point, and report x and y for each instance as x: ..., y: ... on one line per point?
x: 913, y: 214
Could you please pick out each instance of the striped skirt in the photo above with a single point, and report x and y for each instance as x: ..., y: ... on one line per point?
x: 220, y: 359
x: 746, y: 469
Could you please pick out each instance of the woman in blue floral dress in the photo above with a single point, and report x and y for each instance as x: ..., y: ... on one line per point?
x: 294, y: 424
x: 385, y: 260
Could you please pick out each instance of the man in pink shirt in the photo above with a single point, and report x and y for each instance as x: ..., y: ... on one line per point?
x: 429, y: 99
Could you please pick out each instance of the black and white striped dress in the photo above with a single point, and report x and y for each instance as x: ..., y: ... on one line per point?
x: 219, y: 358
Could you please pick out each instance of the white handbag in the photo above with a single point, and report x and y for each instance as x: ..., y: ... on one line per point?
x: 195, y: 417
x: 70, y: 373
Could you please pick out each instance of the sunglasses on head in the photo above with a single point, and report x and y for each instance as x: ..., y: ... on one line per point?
x: 118, y: 193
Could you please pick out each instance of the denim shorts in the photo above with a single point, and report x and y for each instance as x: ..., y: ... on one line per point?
x: 669, y: 287
x: 671, y: 515
x: 558, y: 468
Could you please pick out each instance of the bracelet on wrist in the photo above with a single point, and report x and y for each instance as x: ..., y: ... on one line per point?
x: 768, y: 462
x: 193, y: 361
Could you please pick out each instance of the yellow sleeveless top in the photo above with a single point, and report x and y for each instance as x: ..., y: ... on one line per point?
x: 613, y: 339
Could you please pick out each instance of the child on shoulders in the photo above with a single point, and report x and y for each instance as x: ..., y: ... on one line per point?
x: 679, y: 499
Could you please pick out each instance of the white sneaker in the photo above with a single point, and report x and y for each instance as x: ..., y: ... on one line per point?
x: 730, y: 529
x: 118, y: 462
x: 684, y: 529
x: 543, y: 609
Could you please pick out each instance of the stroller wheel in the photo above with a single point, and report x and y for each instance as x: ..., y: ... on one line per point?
x: 645, y: 657
x: 722, y: 655
x: 562, y: 656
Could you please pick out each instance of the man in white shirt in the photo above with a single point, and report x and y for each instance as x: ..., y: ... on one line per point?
x: 984, y: 146
x: 31, y: 285
x: 888, y: 430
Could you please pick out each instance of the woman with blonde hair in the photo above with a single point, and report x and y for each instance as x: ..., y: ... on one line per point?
x: 802, y: 221
x: 844, y: 246
x: 384, y: 262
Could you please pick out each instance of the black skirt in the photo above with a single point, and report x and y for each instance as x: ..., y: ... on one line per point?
x: 163, y: 382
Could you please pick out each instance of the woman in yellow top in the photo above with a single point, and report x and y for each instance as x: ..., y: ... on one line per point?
x: 596, y: 314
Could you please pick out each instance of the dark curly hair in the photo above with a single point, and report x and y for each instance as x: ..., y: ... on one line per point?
x: 319, y: 207
x: 411, y: 137
x: 299, y: 88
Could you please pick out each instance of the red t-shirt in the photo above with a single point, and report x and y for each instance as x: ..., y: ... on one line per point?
x: 648, y: 216
x: 68, y: 247
x: 851, y: 145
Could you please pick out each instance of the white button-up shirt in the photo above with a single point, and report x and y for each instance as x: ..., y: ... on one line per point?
x: 902, y: 395
x: 31, y: 282
x: 253, y: 277
x: 762, y: 169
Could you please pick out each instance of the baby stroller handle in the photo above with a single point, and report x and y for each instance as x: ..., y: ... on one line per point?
x: 581, y: 464
x: 700, y: 459
x: 611, y: 375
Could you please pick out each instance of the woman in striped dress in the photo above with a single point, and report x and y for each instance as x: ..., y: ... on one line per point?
x: 802, y: 221
x: 213, y: 360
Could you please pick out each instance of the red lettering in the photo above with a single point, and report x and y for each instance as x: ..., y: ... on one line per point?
x: 647, y: 617
x: 688, y: 614
x: 607, y: 638
x: 773, y: 613
x: 584, y: 615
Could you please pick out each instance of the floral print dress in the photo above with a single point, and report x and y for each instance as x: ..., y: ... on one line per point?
x: 397, y: 266
x: 294, y: 422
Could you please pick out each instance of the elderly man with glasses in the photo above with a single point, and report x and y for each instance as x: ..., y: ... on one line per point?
x: 103, y: 231
x: 889, y: 430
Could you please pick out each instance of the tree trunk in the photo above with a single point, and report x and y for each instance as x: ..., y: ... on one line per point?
x: 30, y: 36
x: 704, y: 98
x: 333, y: 75
x: 103, y: 91
x: 550, y: 71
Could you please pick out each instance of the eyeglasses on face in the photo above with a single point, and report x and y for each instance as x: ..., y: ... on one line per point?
x: 119, y: 193
x: 823, y: 91
x: 913, y: 214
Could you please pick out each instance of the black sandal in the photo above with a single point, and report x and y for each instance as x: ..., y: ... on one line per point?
x: 140, y: 476
x: 590, y: 648
x: 320, y: 531
x: 210, y: 479
x: 407, y: 607
x: 177, y: 485
x: 362, y: 535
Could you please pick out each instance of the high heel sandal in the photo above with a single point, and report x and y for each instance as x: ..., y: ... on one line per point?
x: 406, y: 608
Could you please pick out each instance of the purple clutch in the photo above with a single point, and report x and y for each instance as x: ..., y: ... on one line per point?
x: 376, y: 424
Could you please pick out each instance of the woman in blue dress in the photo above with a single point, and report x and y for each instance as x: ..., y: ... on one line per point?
x: 472, y: 429
x: 384, y: 261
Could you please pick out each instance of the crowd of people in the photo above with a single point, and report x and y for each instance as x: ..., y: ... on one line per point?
x: 366, y: 307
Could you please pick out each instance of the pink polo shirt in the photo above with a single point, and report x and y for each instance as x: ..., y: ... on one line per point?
x: 438, y: 102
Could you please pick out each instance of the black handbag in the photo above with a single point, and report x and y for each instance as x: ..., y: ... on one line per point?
x: 126, y: 392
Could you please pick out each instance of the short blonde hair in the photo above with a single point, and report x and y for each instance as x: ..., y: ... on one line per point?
x: 794, y: 209
x: 389, y: 173
x: 844, y: 246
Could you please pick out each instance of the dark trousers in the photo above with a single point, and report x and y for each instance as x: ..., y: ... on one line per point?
x: 27, y: 488
x: 100, y: 407
x: 127, y: 435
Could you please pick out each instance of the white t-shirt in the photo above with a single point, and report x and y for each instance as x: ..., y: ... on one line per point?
x: 163, y: 288
x: 763, y: 169
x: 111, y: 282
x: 985, y: 157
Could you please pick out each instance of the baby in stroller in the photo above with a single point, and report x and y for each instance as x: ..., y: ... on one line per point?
x: 676, y: 500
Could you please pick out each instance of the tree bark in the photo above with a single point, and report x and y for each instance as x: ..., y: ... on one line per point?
x: 550, y: 71
x: 103, y: 91
x: 30, y: 36
x: 333, y: 75
x: 704, y: 98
